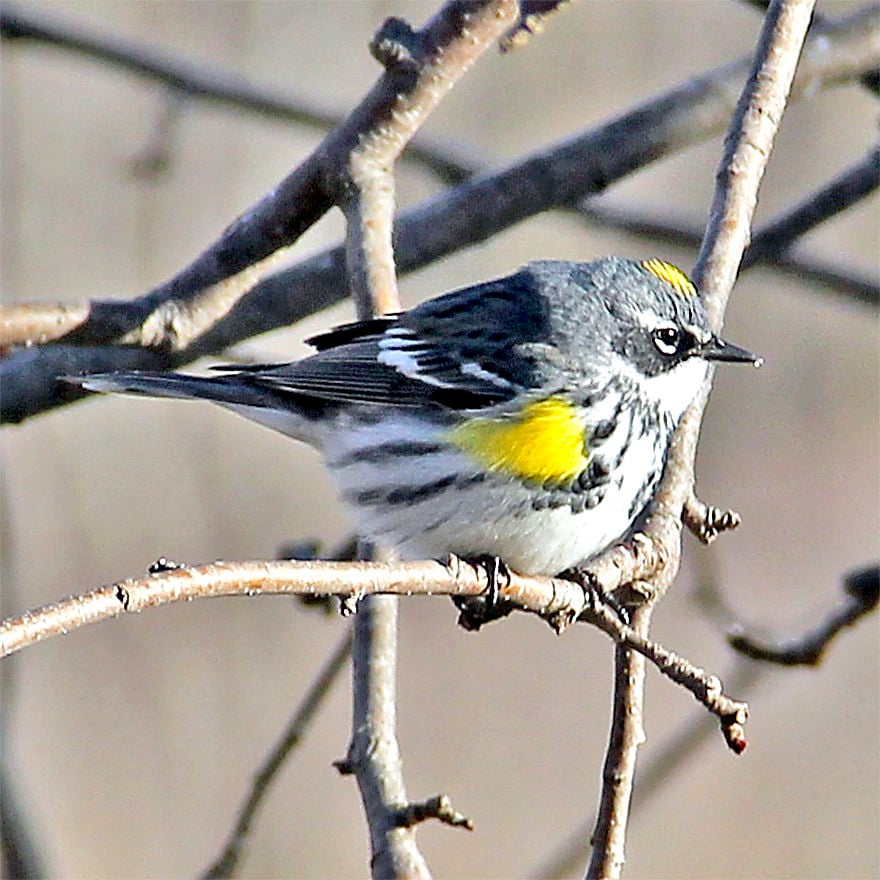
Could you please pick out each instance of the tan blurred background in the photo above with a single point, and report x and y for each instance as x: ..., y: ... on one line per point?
x: 132, y: 743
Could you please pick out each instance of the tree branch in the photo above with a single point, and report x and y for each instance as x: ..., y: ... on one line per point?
x: 862, y: 589
x: 425, y: 66
x: 747, y: 149
x: 558, y: 601
x: 465, y: 215
x: 618, y: 773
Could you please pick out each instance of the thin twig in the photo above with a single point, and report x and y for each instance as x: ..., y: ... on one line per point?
x: 465, y: 215
x: 862, y: 590
x: 438, y: 807
x: 657, y: 768
x: 618, y: 773
x: 226, y: 863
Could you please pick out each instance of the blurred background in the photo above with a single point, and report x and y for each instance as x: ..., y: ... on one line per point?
x: 130, y: 745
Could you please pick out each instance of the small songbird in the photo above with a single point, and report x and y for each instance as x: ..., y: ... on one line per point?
x: 526, y: 418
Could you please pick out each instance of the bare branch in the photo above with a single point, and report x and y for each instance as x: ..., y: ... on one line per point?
x: 618, y: 773
x: 772, y: 242
x: 747, y: 149
x: 438, y: 807
x: 862, y: 590
x: 425, y: 67
x: 374, y: 755
x: 228, y: 860
x: 558, y: 601
x: 465, y: 215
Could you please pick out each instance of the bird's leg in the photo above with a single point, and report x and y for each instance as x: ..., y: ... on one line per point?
x: 475, y: 611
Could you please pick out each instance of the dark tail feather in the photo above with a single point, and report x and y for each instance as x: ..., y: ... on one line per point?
x: 222, y: 389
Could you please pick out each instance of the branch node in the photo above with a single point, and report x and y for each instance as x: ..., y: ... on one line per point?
x: 438, y: 807
x: 123, y: 597
x: 163, y: 564
x: 344, y: 766
x: 708, y: 522
x: 396, y: 46
x: 532, y: 17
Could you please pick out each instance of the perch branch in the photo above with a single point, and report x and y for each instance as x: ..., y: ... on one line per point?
x: 556, y: 600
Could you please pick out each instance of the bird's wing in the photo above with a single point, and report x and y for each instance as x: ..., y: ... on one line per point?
x: 461, y: 350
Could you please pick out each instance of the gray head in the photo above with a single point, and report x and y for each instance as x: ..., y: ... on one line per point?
x: 643, y: 321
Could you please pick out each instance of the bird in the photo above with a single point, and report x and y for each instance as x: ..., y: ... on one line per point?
x: 525, y: 419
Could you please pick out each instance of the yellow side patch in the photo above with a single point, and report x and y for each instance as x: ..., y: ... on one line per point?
x: 672, y: 275
x: 544, y: 442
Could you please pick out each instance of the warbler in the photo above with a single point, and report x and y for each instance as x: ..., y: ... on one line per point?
x: 526, y: 418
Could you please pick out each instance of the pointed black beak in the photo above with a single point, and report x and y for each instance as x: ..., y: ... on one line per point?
x: 716, y: 349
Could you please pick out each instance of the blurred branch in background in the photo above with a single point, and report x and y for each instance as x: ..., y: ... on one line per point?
x: 464, y: 215
x: 772, y: 243
x: 186, y: 79
x: 862, y: 591
x: 227, y: 862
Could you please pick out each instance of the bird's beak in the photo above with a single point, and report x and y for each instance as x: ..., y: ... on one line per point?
x: 716, y: 349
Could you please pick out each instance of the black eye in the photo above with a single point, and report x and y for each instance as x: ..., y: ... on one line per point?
x: 667, y: 340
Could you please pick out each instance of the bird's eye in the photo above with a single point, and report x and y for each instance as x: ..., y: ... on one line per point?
x: 667, y: 340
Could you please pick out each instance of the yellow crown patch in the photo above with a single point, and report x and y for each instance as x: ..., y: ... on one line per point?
x: 672, y: 275
x: 544, y: 442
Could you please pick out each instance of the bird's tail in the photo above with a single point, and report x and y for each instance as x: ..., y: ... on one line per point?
x: 232, y: 391
x: 217, y: 389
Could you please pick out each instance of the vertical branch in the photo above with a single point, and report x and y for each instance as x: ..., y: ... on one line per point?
x: 375, y: 755
x: 746, y: 151
x: 424, y: 65
x: 618, y: 773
